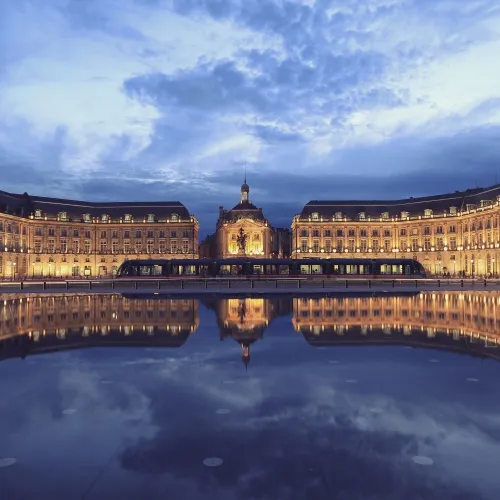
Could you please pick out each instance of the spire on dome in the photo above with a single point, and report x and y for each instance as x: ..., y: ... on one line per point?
x: 245, y: 190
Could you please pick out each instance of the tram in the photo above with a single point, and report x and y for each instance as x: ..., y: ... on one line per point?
x: 272, y: 268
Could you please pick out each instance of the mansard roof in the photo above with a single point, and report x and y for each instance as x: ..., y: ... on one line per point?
x: 439, y: 205
x: 243, y: 210
x: 25, y: 205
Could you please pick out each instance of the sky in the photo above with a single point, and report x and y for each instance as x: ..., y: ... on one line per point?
x: 171, y: 100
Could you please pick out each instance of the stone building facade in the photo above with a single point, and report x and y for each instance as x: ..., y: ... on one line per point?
x: 47, y: 237
x: 455, y: 233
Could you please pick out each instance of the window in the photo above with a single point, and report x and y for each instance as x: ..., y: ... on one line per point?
x: 38, y: 214
x: 315, y: 246
x: 64, y: 246
x: 375, y: 233
x: 38, y: 231
x: 439, y: 243
x: 385, y: 215
x: 340, y: 233
x: 103, y: 234
x: 64, y: 232
x: 150, y: 234
x: 414, y: 245
x: 162, y: 246
x: 186, y: 233
x: 339, y: 216
x: 363, y: 245
x: 52, y: 232
x: 103, y: 246
x: 315, y: 233
x: 52, y: 246
x: 104, y: 218
x: 350, y: 245
x: 402, y: 245
x: 363, y: 233
x: 328, y: 246
x: 405, y: 215
x: 138, y: 234
x: 427, y: 230
x: 151, y: 217
x: 453, y: 210
x: 340, y: 245
x: 351, y: 233
x: 362, y: 216
x: 303, y: 246
x: 162, y: 234
x: 315, y: 216
x: 173, y: 246
x: 138, y: 247
x: 62, y: 216
x: 387, y: 245
x: 114, y: 234
x: 128, y: 218
x: 470, y: 206
x: 38, y: 246
x: 175, y: 218
x: 185, y: 246
x: 485, y: 203
x: 76, y: 246
x: 427, y: 244
x: 126, y: 246
x: 427, y: 212
x: 439, y: 229
x: 86, y: 218
x: 452, y: 229
x: 173, y: 234
x: 387, y: 233
x: 150, y: 246
x: 114, y: 247
x: 304, y: 233
x: 402, y: 232
x: 375, y: 245
x: 453, y: 243
x: 87, y: 246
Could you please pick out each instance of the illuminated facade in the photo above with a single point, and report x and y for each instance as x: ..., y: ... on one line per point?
x: 454, y: 233
x: 46, y: 237
x: 62, y: 321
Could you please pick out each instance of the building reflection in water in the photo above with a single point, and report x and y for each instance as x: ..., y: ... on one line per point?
x: 463, y: 322
x: 467, y: 322
x: 34, y: 324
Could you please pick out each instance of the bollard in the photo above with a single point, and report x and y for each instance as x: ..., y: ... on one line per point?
x: 462, y: 283
x: 90, y: 285
x: 44, y: 286
x: 439, y: 283
x: 112, y: 285
x: 484, y: 283
x: 67, y: 285
x: 21, y: 285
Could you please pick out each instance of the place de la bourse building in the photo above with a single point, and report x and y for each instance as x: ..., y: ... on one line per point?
x: 45, y: 237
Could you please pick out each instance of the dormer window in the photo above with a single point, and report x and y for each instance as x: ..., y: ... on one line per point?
x: 362, y: 216
x: 174, y: 218
x: 427, y: 212
x: 470, y: 206
x: 385, y: 215
x: 405, y: 215
x: 339, y: 216
x: 453, y: 210
x: 104, y: 218
x: 62, y: 216
x: 128, y: 218
x: 151, y: 217
x: 315, y: 216
x: 38, y: 214
x: 485, y: 203
x: 86, y: 218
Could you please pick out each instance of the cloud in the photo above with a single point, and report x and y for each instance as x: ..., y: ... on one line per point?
x: 170, y: 98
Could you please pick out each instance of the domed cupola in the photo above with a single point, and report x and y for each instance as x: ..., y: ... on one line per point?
x: 245, y: 192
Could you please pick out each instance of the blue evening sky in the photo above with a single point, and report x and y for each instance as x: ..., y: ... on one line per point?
x: 169, y: 99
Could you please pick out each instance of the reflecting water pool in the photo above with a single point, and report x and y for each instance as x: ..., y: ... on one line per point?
x: 286, y: 397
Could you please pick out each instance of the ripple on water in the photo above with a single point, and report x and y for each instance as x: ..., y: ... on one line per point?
x: 212, y: 462
x: 7, y: 462
x: 421, y: 460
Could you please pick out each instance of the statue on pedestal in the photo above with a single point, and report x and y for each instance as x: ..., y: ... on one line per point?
x: 241, y: 240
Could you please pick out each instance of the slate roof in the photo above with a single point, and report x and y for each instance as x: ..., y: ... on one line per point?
x: 414, y: 206
x: 244, y: 209
x: 25, y: 204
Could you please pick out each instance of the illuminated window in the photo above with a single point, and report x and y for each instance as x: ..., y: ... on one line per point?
x: 86, y: 218
x: 362, y: 216
x: 385, y: 215
x: 485, y: 203
x: 63, y: 216
x: 339, y: 216
x: 470, y: 206
x: 405, y: 215
x: 104, y: 218
x: 453, y: 210
x: 151, y: 217
x: 303, y: 246
x: 315, y: 216
x: 315, y: 246
x: 174, y: 218
x: 128, y: 218
x: 363, y: 245
x: 38, y: 214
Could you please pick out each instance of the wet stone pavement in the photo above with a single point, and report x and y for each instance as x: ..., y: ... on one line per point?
x: 289, y: 397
